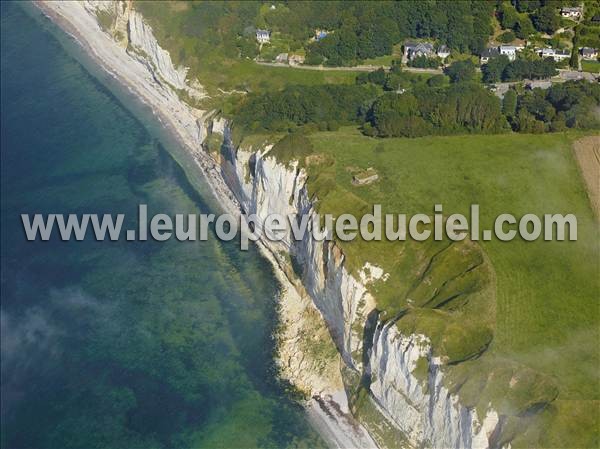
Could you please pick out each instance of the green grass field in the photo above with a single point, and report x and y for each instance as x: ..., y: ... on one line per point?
x: 544, y: 294
x: 590, y: 66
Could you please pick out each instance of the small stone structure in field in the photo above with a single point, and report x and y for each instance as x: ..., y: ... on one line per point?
x: 365, y: 177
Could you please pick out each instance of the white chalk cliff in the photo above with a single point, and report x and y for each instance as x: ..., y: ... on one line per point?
x: 252, y: 180
x: 426, y: 413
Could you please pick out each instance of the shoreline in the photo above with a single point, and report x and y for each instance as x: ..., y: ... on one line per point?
x: 328, y: 414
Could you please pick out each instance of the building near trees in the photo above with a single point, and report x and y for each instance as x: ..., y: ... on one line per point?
x: 263, y: 36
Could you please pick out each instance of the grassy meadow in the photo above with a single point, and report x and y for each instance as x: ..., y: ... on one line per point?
x: 590, y: 66
x: 544, y: 295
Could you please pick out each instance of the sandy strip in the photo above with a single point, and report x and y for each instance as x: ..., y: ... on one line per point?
x: 328, y: 415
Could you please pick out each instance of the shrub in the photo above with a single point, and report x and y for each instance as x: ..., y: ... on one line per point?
x: 333, y: 125
x: 507, y: 37
x: 461, y: 71
x: 294, y: 146
x: 436, y: 81
x: 423, y: 62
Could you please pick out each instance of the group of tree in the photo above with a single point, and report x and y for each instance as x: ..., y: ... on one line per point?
x: 392, y: 80
x: 459, y: 108
x: 461, y: 71
x: 502, y: 69
x: 510, y: 19
x: 524, y: 17
x: 369, y: 29
x: 572, y: 104
x: 326, y: 106
x: 431, y: 108
x: 423, y: 62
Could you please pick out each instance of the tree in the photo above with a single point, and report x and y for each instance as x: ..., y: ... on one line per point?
x: 396, y: 66
x: 436, y: 81
x: 524, y: 28
x: 492, y: 71
x: 395, y: 81
x: 423, y: 62
x: 536, y: 104
x: 509, y: 103
x: 546, y: 20
x: 377, y: 77
x: 508, y: 16
x: 559, y: 123
x: 313, y: 58
x: 461, y: 71
x: 527, y: 123
x: 521, y: 68
x: 506, y: 37
x: 526, y: 5
x: 333, y: 125
x: 574, y: 59
x: 248, y: 48
x: 362, y: 78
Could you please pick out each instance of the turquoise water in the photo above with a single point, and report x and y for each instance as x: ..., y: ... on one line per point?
x: 121, y: 344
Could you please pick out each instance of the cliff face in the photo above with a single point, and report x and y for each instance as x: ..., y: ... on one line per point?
x: 423, y: 409
x: 263, y: 187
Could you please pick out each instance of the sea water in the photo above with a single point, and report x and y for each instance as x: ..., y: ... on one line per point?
x: 121, y: 344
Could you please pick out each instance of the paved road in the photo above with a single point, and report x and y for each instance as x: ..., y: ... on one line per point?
x: 575, y: 75
x: 563, y: 75
x: 356, y: 68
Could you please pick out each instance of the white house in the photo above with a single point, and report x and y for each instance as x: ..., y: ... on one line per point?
x: 263, y: 36
x: 413, y: 50
x: 443, y: 52
x: 571, y: 12
x: 320, y: 34
x: 589, y: 53
x: 509, y: 51
x: 557, y: 55
x: 282, y: 58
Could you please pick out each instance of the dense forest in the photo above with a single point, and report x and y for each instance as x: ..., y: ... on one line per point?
x: 325, y: 106
x: 431, y: 108
x: 501, y: 69
x: 369, y: 29
x: 574, y: 104
x: 459, y: 108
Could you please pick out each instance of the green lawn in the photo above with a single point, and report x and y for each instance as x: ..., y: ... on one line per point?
x: 591, y: 66
x: 385, y: 60
x: 544, y: 294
